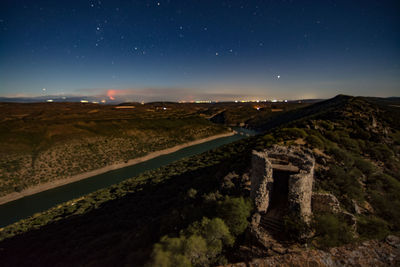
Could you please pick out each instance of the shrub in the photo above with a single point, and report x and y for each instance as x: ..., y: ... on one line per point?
x: 359, y: 132
x: 235, y: 211
x: 212, y: 196
x: 215, y: 232
x: 380, y: 152
x: 191, y: 193
x: 290, y: 133
x: 363, y: 165
x: 342, y: 182
x: 327, y: 125
x: 396, y: 137
x: 372, y: 227
x: 331, y: 230
x: 342, y: 156
x: 199, y: 245
x: 171, y: 251
x: 268, y: 139
x: 350, y: 144
x: 332, y: 135
x: 294, y: 227
x: 394, y: 168
x: 387, y: 206
x: 315, y: 141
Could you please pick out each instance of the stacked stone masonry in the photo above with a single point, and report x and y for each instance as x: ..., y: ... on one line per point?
x: 300, y: 184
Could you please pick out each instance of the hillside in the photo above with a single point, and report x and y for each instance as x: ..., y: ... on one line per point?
x: 42, y: 142
x: 251, y: 114
x: 198, y: 211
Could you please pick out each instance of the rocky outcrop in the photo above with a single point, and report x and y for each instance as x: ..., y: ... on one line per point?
x: 325, y: 202
x: 369, y: 253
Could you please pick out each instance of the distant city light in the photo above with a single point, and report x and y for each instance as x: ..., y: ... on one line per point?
x: 84, y: 101
x: 50, y: 100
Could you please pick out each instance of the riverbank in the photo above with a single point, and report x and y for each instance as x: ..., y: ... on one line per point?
x: 86, y: 175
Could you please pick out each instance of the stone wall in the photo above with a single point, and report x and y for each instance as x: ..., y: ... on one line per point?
x: 300, y: 188
x: 325, y: 202
x: 261, y: 180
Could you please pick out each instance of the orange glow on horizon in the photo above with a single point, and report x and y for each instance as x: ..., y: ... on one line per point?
x: 111, y: 93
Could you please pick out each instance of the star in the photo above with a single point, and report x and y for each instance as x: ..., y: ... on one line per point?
x: 278, y: 76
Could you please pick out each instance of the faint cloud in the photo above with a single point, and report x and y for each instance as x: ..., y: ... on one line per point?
x: 159, y: 94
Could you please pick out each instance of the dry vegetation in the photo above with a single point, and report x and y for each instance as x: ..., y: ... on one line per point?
x: 46, y: 141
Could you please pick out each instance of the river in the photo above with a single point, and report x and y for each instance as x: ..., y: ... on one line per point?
x: 24, y: 207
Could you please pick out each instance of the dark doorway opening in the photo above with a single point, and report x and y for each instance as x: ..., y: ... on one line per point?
x: 279, y: 203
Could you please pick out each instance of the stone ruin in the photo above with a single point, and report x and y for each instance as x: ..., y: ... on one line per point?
x: 281, y: 183
x: 282, y: 176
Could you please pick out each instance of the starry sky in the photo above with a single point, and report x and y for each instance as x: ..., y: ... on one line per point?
x: 200, y: 49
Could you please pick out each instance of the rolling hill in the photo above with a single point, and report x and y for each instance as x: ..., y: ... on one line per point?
x: 197, y: 211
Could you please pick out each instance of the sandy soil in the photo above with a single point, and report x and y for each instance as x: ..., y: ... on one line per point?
x: 54, y: 184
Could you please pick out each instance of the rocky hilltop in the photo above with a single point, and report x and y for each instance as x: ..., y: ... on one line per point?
x: 369, y: 253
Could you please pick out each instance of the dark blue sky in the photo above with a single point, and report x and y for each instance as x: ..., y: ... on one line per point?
x: 205, y: 49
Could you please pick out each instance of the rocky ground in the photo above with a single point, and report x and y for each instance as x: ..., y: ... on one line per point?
x: 368, y: 253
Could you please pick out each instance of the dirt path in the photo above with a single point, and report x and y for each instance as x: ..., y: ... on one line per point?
x: 57, y: 183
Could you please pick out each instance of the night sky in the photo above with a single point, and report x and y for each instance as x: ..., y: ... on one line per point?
x: 199, y: 50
